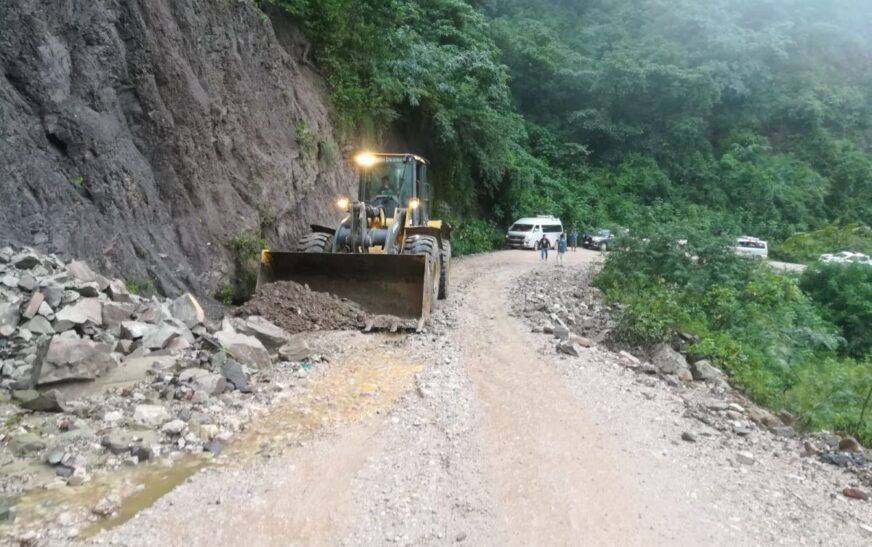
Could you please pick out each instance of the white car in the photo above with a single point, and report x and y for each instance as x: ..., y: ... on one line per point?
x: 846, y: 257
x: 751, y: 246
x: 526, y: 233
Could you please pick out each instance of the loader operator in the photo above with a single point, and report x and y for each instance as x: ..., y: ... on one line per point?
x: 385, y: 189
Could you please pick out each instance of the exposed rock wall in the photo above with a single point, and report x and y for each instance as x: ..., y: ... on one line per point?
x: 142, y: 135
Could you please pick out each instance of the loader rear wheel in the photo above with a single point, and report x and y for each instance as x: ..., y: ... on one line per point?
x: 427, y: 245
x: 316, y: 242
x: 445, y: 270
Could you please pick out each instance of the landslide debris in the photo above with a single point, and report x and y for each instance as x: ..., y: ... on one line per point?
x: 295, y: 308
x: 94, y: 377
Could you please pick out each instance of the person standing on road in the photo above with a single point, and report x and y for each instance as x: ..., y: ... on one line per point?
x: 543, y: 247
x: 573, y: 239
x: 561, y: 249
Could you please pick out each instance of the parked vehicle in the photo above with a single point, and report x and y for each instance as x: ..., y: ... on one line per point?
x: 751, y: 246
x: 525, y: 233
x: 598, y: 239
x: 846, y: 257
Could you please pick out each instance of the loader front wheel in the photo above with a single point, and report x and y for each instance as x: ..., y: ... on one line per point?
x: 427, y: 246
x: 316, y: 242
x: 445, y: 270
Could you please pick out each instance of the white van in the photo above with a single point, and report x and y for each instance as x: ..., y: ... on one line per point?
x: 751, y: 246
x: 525, y: 233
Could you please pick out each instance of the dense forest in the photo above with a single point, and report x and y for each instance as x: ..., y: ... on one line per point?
x: 754, y: 112
x: 680, y: 120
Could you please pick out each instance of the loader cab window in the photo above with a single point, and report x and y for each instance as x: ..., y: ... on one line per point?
x: 422, y: 190
x: 388, y: 184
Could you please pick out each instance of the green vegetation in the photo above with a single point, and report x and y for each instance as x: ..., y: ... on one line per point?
x: 844, y: 293
x: 142, y: 287
x: 808, y: 246
x: 758, y: 111
x: 78, y: 180
x: 475, y: 236
x: 807, y: 353
x: 245, y: 249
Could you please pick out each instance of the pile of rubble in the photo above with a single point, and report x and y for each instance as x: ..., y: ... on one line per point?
x: 561, y: 302
x: 295, y: 308
x: 92, y: 376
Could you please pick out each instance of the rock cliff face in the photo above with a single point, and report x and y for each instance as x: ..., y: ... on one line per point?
x: 143, y: 135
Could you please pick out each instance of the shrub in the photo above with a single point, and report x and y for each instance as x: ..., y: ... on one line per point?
x: 245, y: 251
x: 844, y: 293
x: 476, y: 236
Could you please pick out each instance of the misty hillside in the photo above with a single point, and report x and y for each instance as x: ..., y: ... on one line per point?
x: 753, y: 113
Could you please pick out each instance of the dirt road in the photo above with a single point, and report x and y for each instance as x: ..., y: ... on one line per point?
x: 478, y: 433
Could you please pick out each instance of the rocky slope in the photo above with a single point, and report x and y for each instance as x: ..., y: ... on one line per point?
x: 144, y: 135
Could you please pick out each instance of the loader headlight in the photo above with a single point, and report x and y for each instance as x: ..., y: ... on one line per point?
x: 342, y: 203
x: 414, y: 203
x: 365, y: 159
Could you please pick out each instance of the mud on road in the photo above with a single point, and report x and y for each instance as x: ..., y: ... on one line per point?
x: 477, y: 432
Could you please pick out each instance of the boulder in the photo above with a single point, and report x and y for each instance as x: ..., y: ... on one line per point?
x: 269, y: 334
x: 48, y: 401
x: 561, y: 333
x: 28, y: 283
x: 235, y: 375
x: 118, y: 291
x: 38, y: 325
x: 158, y: 338
x: 296, y: 349
x: 114, y: 314
x: 203, y: 380
x: 25, y: 261
x: 133, y: 330
x: 86, y: 310
x: 155, y: 313
x: 88, y: 290
x: 569, y: 348
x: 32, y: 308
x: 6, y: 254
x: 70, y: 359
x: 667, y: 360
x: 26, y: 443
x: 850, y: 444
x: 81, y: 271
x: 174, y: 427
x: 245, y: 349
x: 9, y: 315
x: 187, y: 310
x: 745, y: 458
x: 685, y: 375
x: 581, y: 341
x: 150, y: 416
x: 10, y: 281
x: 54, y: 295
x: 703, y: 371
x: 763, y: 417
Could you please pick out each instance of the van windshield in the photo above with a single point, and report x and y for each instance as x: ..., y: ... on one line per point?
x: 521, y: 228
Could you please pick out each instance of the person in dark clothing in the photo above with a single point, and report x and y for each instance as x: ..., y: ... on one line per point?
x: 573, y: 239
x: 544, y: 244
x: 561, y: 249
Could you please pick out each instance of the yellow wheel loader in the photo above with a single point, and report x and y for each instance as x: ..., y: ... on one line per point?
x: 386, y: 254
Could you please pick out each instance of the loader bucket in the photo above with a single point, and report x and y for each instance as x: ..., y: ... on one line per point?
x: 398, y: 285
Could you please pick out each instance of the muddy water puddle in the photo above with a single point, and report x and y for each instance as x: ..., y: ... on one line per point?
x: 364, y: 383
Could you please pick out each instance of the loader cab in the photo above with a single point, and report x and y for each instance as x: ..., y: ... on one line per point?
x: 396, y: 181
